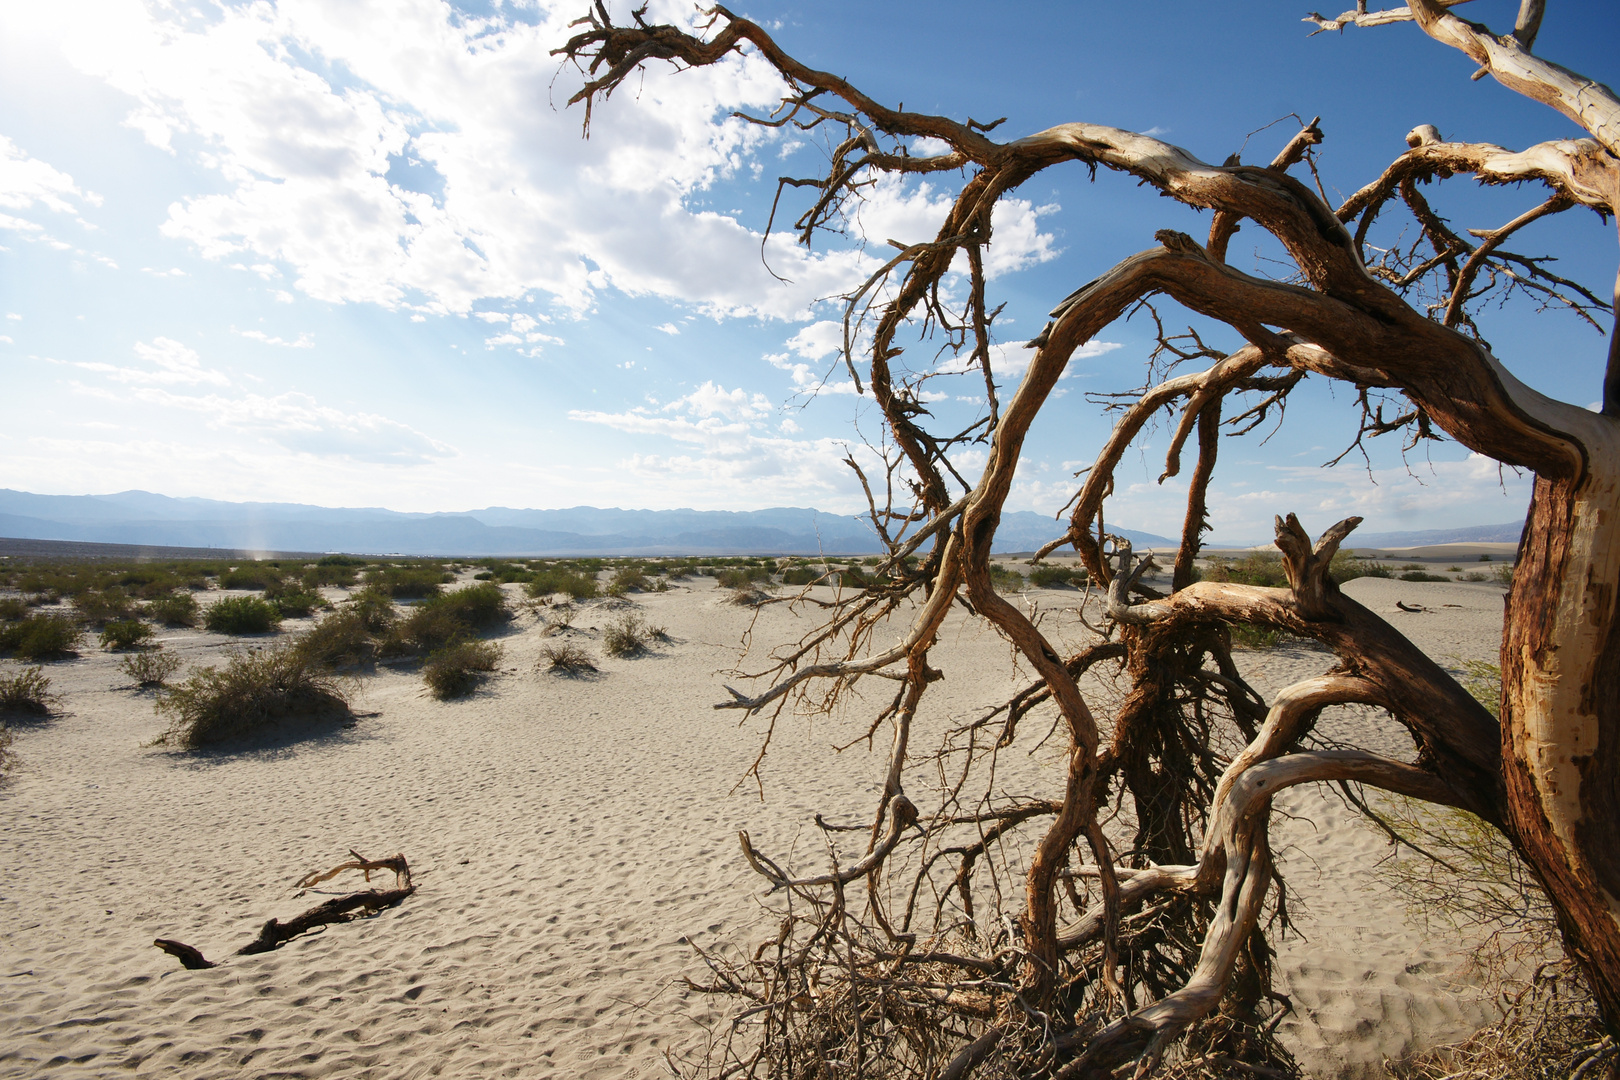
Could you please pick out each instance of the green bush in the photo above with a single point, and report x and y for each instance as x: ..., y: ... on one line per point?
x: 39, y: 637
x: 242, y: 615
x: 579, y: 585
x: 1419, y: 575
x: 1005, y: 578
x: 629, y: 635
x: 340, y: 560
x: 150, y: 668
x: 1484, y: 558
x: 409, y: 582
x: 801, y: 575
x: 375, y: 608
x: 456, y: 670
x: 1249, y: 636
x: 173, y: 609
x: 125, y: 634
x: 628, y: 579
x: 100, y: 607
x: 566, y: 659
x: 12, y: 607
x: 742, y: 576
x: 298, y: 604
x: 257, y: 689
x: 324, y: 573
x: 447, y: 619
x: 1503, y: 573
x: 342, y: 639
x: 1256, y: 568
x: 1055, y: 577
x: 251, y: 576
x: 27, y: 691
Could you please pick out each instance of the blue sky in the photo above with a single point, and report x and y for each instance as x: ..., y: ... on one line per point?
x: 358, y: 253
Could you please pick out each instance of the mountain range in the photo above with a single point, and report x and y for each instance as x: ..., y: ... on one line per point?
x: 142, y: 518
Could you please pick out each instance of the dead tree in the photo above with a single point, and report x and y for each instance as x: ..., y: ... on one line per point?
x: 1165, y: 941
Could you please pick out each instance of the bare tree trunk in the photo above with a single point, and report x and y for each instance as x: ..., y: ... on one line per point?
x: 1561, y: 713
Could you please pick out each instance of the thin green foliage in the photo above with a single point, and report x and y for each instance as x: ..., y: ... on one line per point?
x: 173, y: 609
x: 151, y: 668
x: 40, y: 637
x: 126, y: 634
x: 258, y: 689
x: 457, y: 669
x: 242, y: 615
x: 26, y: 691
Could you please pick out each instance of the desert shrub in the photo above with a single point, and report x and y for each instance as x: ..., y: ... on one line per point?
x: 150, y: 668
x: 1474, y: 575
x: 298, y: 604
x: 39, y: 637
x: 7, y: 758
x: 339, y: 640
x: 242, y: 615
x: 1484, y: 558
x: 409, y: 582
x: 125, y: 634
x: 628, y: 635
x: 375, y: 608
x: 251, y: 576
x: 1263, y: 568
x: 257, y: 689
x: 1453, y: 569
x: 455, y: 670
x: 504, y: 572
x: 1005, y: 578
x: 565, y: 658
x: 1419, y: 575
x: 1249, y: 636
x: 478, y: 607
x: 748, y: 596
x: 448, y: 619
x: 12, y: 607
x: 323, y: 574
x: 742, y: 576
x: 577, y: 584
x: 1503, y: 573
x: 1376, y: 570
x: 26, y: 691
x: 801, y: 575
x: 173, y: 609
x: 340, y: 560
x: 98, y: 607
x: 628, y: 579
x: 1410, y: 566
x: 1054, y: 576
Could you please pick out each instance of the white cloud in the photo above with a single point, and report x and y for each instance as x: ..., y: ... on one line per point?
x: 304, y: 340
x: 400, y: 153
x: 172, y: 363
x: 668, y: 328
x: 27, y: 182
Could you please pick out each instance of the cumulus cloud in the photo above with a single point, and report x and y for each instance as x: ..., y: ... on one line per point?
x: 403, y: 154
x: 171, y: 363
x: 303, y: 341
x: 27, y: 183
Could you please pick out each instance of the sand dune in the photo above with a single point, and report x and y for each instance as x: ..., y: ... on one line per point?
x: 569, y: 836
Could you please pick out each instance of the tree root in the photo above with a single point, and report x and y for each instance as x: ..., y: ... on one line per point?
x: 275, y: 933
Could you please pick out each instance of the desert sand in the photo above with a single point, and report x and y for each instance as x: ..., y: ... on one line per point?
x: 569, y: 837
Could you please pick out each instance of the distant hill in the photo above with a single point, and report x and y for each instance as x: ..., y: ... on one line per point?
x: 1505, y: 533
x: 145, y: 519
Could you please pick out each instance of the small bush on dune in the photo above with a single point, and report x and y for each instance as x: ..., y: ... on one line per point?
x: 801, y: 575
x: 742, y: 576
x: 298, y: 604
x: 1419, y: 575
x: 257, y: 689
x: 748, y: 596
x: 448, y: 619
x: 566, y: 659
x: 342, y: 639
x: 173, y: 609
x: 1005, y: 578
x: 27, y: 691
x: 629, y: 635
x: 479, y: 606
x: 151, y: 668
x: 252, y: 576
x: 1057, y: 577
x: 242, y: 615
x: 629, y: 579
x: 126, y: 634
x: 579, y: 585
x: 375, y: 609
x: 314, y: 577
x: 12, y: 607
x: 7, y: 758
x: 455, y: 670
x: 100, y: 607
x: 409, y: 582
x: 1262, y: 568
x: 40, y: 637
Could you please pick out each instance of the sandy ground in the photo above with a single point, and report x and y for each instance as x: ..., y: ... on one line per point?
x: 569, y: 837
